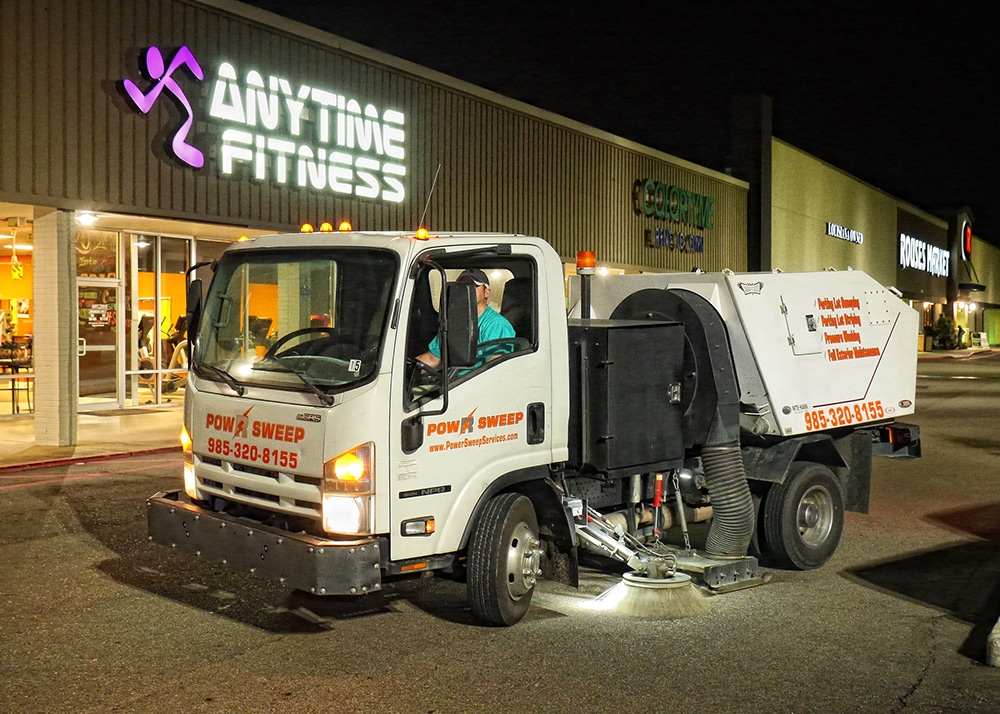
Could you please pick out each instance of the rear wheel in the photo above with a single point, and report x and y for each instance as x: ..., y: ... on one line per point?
x: 803, y: 517
x: 504, y: 560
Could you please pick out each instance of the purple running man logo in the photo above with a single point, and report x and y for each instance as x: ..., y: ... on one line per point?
x: 163, y: 79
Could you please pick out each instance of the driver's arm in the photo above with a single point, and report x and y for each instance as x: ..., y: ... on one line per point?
x: 429, y: 359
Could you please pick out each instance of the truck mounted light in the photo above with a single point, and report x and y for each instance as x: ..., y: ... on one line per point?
x: 190, y: 482
x: 419, y: 526
x: 349, y: 492
x: 586, y: 262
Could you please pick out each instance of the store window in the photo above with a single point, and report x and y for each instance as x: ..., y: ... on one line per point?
x: 16, y: 321
x: 156, y: 354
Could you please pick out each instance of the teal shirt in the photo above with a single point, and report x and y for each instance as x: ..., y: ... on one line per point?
x: 492, y: 326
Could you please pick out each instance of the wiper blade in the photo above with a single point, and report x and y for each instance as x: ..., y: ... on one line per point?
x: 229, y: 379
x: 275, y: 366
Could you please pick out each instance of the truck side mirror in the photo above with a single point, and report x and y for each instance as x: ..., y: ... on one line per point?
x: 412, y: 434
x: 463, y: 325
x: 193, y: 314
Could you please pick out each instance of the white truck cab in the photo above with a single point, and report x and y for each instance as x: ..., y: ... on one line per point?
x: 306, y: 413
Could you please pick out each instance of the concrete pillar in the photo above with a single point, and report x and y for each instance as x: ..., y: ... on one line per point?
x: 751, y: 135
x: 56, y: 372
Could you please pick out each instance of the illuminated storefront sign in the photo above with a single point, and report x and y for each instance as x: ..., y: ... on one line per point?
x: 838, y: 231
x: 657, y: 199
x: 163, y: 78
x: 915, y: 253
x: 966, y: 240
x: 296, y: 135
x: 660, y: 237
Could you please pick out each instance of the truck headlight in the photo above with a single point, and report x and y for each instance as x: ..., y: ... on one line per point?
x: 349, y: 492
x: 190, y: 482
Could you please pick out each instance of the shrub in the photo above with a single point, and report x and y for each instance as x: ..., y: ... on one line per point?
x: 945, y: 335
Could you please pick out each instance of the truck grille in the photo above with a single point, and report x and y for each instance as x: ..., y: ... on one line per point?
x: 277, y: 491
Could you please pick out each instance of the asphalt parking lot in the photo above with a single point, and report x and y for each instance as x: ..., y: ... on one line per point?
x: 97, y: 619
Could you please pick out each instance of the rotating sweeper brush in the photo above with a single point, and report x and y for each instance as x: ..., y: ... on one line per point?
x: 654, y: 587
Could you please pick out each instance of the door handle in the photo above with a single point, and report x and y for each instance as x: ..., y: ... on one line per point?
x: 81, y: 347
x: 536, y: 423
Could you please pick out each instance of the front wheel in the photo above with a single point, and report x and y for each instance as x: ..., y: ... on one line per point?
x: 803, y: 517
x: 504, y: 560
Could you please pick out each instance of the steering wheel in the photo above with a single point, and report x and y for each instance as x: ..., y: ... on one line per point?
x: 422, y: 377
x: 273, y: 349
x: 425, y: 369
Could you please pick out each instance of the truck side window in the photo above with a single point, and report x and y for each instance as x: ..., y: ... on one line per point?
x: 511, y: 300
x: 517, y: 304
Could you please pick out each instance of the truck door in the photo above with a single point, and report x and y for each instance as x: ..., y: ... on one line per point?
x: 494, y: 424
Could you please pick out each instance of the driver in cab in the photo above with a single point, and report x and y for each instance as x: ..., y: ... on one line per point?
x: 492, y: 325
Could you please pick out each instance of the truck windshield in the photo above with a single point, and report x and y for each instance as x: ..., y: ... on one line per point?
x: 310, y: 320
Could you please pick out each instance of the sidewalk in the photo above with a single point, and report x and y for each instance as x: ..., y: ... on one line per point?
x: 100, y: 435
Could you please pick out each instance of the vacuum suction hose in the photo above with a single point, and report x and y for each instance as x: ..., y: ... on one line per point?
x: 733, y: 512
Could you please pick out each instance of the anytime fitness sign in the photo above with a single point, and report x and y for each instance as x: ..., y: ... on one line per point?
x: 299, y: 135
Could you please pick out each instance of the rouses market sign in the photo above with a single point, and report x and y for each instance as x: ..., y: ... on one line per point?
x: 290, y: 134
x: 917, y: 254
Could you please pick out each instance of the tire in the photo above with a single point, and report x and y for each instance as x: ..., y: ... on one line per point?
x: 803, y: 517
x: 504, y: 560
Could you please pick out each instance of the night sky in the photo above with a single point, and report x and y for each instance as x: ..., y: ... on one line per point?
x: 902, y: 100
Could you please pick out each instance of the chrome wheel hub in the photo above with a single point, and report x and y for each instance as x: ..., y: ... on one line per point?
x: 524, y: 558
x: 815, y: 516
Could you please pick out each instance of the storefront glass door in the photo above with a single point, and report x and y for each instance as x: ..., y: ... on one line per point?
x: 99, y: 339
x: 98, y: 348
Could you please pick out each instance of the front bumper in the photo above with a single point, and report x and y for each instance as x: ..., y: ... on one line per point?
x: 301, y: 561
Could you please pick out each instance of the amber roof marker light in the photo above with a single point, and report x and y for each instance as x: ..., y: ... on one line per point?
x: 586, y: 262
x: 586, y: 266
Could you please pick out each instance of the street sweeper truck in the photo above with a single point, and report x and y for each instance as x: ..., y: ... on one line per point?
x: 363, y: 407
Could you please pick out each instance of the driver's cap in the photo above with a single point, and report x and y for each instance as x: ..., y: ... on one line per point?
x: 474, y: 275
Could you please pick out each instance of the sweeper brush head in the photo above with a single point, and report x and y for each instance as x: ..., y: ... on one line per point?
x: 661, y: 598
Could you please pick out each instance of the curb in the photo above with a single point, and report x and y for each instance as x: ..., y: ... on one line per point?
x: 70, y: 460
x: 931, y: 357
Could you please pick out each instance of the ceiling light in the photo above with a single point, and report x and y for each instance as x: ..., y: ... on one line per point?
x: 86, y: 218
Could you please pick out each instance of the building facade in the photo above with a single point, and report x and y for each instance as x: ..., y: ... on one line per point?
x: 805, y: 214
x: 151, y: 134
